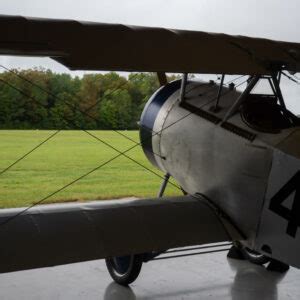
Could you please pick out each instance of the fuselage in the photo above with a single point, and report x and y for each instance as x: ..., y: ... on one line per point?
x: 238, y: 167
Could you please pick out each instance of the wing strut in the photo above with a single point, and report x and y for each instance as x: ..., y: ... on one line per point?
x: 162, y: 78
x: 278, y: 91
x: 216, y: 108
x: 183, y: 87
x: 164, y: 185
x: 254, y: 80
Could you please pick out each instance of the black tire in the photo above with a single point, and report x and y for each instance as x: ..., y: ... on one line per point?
x: 254, y: 257
x: 125, y: 269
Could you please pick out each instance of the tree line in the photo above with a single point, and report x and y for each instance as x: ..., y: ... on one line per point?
x: 42, y: 99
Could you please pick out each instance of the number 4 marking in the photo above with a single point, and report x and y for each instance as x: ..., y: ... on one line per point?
x: 291, y: 215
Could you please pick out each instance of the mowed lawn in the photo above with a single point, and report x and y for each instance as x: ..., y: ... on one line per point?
x: 66, y: 157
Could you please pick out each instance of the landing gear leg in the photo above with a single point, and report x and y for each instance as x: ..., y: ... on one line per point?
x: 164, y: 185
x: 126, y: 269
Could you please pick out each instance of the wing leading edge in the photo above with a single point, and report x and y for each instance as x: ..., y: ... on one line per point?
x: 99, y: 46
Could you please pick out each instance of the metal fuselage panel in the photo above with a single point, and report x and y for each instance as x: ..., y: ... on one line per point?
x: 233, y: 171
x: 278, y: 234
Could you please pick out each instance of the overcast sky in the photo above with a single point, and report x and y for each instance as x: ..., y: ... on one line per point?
x: 276, y: 19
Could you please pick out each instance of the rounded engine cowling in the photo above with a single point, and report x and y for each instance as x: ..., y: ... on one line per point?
x: 164, y: 104
x: 152, y: 110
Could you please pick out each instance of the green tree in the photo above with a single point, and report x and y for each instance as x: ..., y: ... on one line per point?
x: 116, y: 110
x: 95, y: 101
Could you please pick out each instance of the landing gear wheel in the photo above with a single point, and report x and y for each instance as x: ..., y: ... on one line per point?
x: 125, y: 269
x: 238, y: 251
x: 253, y: 256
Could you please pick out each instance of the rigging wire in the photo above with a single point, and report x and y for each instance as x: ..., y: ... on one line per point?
x: 84, y: 130
x: 84, y: 112
x: 29, y: 152
x: 57, y: 98
x: 73, y: 107
x: 291, y: 78
x: 76, y: 108
x: 105, y: 163
x: 296, y: 77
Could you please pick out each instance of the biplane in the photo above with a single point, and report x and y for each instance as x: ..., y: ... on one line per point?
x: 235, y: 153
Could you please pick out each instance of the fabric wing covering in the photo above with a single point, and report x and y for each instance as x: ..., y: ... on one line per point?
x: 56, y: 234
x: 99, y: 46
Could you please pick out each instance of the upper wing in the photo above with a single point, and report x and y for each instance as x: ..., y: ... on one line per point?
x: 99, y: 46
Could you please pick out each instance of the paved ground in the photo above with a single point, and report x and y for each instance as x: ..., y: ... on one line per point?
x: 209, y: 276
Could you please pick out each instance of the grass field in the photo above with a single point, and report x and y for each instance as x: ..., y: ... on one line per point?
x: 66, y: 157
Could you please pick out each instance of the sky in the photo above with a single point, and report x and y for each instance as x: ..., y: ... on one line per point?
x: 275, y: 19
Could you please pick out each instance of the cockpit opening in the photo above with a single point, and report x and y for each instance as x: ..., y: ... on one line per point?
x: 263, y: 113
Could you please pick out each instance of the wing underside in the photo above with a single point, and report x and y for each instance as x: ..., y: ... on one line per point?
x: 99, y: 46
